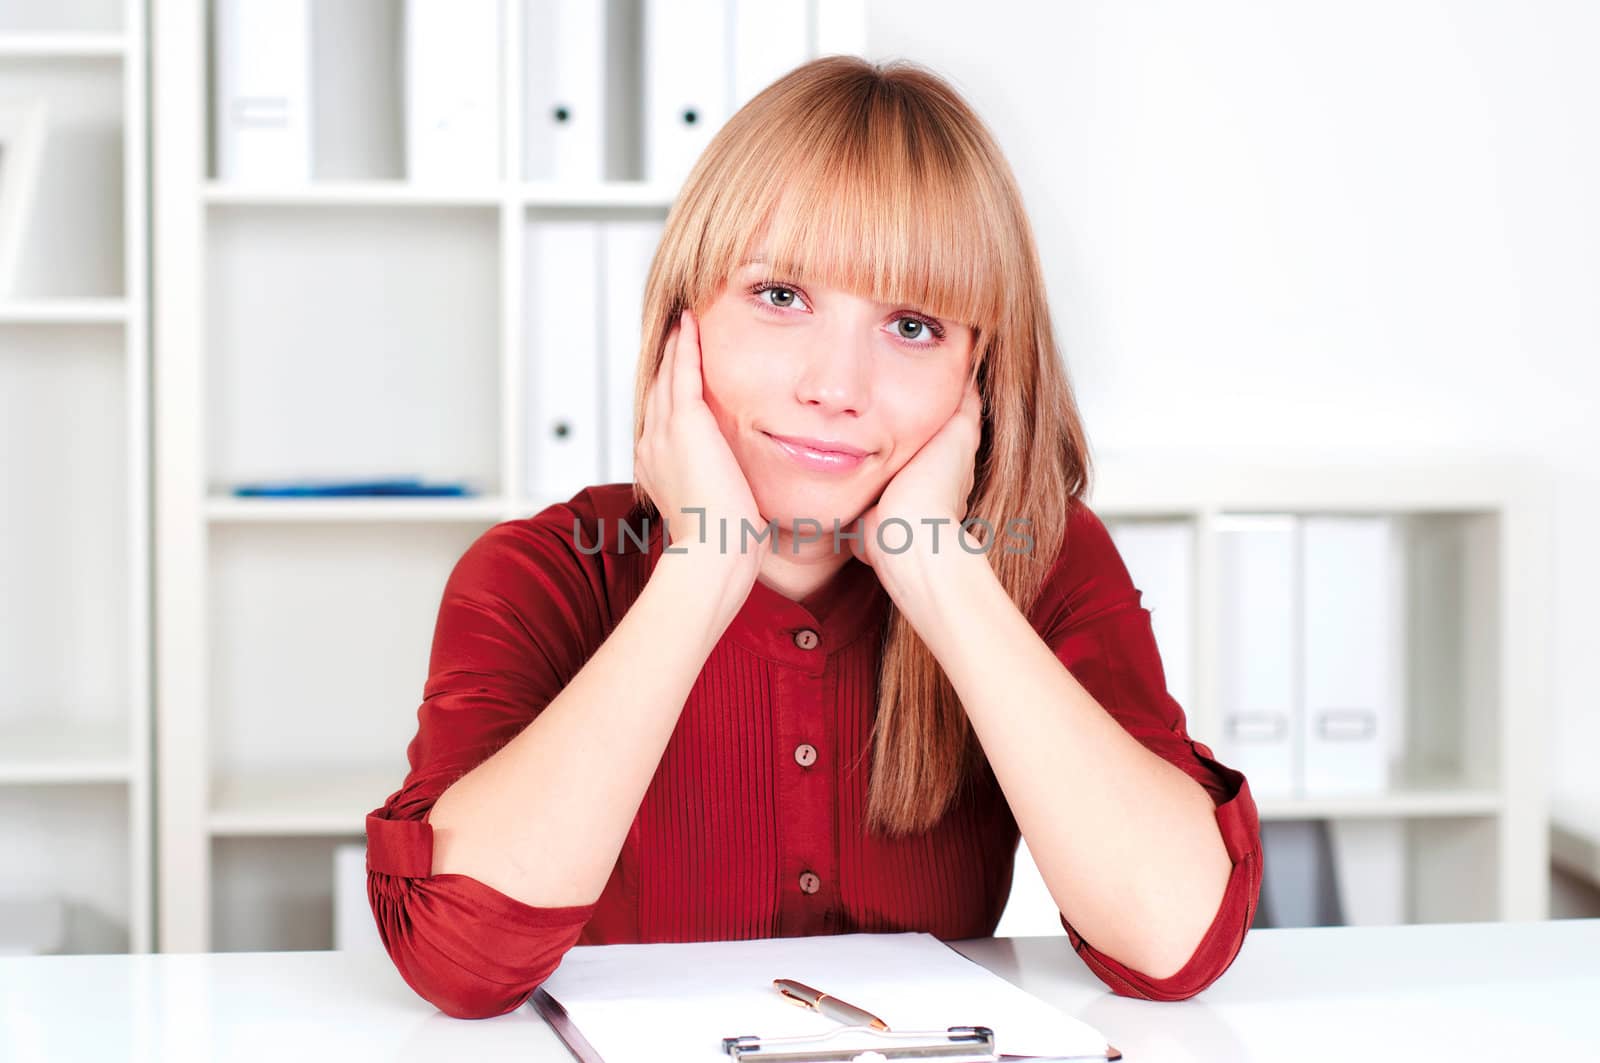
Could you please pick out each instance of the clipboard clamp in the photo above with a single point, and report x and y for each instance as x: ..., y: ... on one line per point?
x: 956, y: 1044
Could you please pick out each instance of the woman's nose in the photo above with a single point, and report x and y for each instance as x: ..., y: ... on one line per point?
x: 837, y: 370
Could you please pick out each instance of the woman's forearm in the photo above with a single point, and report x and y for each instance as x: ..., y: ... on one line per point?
x: 544, y: 818
x: 1127, y: 843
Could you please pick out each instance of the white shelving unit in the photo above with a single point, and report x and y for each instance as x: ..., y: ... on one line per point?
x: 75, y: 634
x: 1468, y: 802
x: 294, y: 633
x: 1461, y: 833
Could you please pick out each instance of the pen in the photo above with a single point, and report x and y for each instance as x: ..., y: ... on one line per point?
x: 832, y: 1007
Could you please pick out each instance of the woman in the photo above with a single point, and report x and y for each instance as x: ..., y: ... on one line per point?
x: 683, y: 710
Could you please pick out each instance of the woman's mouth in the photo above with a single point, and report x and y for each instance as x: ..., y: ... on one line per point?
x: 815, y: 455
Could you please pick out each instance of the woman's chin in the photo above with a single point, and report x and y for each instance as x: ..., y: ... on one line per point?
x: 785, y: 506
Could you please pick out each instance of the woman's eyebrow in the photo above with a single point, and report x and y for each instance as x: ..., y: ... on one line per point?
x: 757, y: 260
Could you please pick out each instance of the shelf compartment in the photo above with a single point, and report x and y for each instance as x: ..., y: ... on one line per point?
x: 1444, y: 736
x: 1354, y: 871
x: 347, y: 614
x: 76, y: 841
x: 73, y: 241
x: 272, y: 894
x: 357, y: 72
x: 405, y: 301
x: 65, y: 616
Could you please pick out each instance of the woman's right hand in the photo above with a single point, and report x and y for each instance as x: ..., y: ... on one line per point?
x: 683, y: 460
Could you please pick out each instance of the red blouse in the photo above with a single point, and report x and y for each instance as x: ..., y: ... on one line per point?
x: 753, y: 823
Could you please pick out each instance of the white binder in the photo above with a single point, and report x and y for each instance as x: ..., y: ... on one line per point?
x: 262, y: 110
x: 1352, y: 659
x: 1257, y: 644
x: 1159, y: 555
x: 627, y: 250
x: 686, y: 83
x: 452, y: 78
x: 769, y: 40
x: 563, y: 374
x: 564, y: 120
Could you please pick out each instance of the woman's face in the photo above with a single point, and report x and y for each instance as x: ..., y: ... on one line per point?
x: 825, y: 364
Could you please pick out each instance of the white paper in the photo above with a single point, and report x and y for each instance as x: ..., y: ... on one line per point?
x: 676, y: 1001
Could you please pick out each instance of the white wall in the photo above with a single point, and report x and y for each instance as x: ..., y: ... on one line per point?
x: 1282, y: 224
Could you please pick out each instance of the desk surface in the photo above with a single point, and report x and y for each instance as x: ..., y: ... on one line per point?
x: 1465, y: 991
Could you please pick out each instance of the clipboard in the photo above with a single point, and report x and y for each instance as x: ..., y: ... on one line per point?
x: 954, y: 1044
x: 556, y: 1015
x: 641, y: 1003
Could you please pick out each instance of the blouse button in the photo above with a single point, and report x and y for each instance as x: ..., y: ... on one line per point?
x: 806, y: 639
x: 809, y: 882
x: 805, y: 755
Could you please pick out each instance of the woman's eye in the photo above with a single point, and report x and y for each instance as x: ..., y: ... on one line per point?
x: 786, y: 296
x: 917, y: 331
x: 918, y: 328
x: 923, y: 333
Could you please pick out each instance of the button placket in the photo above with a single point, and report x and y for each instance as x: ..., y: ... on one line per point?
x: 807, y: 848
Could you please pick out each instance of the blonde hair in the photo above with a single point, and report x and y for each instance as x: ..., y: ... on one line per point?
x: 879, y: 179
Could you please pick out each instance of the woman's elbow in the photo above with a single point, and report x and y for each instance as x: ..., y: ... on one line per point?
x: 466, y: 966
x: 475, y: 998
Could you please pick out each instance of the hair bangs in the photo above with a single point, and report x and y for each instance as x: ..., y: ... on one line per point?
x: 881, y: 201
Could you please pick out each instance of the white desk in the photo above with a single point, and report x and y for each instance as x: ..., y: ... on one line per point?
x: 1436, y: 992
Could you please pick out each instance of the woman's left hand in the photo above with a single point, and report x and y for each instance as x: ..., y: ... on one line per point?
x: 934, y: 484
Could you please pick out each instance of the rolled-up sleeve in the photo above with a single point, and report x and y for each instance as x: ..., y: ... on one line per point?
x: 516, y: 621
x: 1090, y: 614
